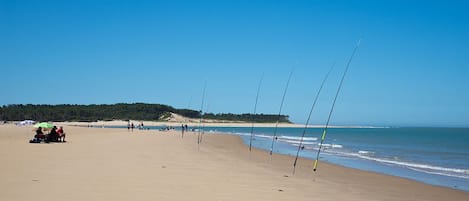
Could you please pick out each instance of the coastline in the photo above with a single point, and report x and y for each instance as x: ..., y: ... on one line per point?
x: 177, y: 124
x: 97, y: 164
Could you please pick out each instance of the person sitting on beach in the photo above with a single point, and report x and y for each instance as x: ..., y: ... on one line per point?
x: 61, y: 134
x: 53, y: 136
x: 39, y: 134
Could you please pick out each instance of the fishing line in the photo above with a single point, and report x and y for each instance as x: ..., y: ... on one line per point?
x: 333, y: 104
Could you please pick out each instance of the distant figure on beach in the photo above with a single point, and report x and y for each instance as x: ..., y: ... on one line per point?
x: 186, y: 127
x: 61, y: 134
x: 38, y: 137
x: 39, y: 134
x: 132, y: 126
x: 53, y: 136
x: 128, y: 125
x: 182, y: 128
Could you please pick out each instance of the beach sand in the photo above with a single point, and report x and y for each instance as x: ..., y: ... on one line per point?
x: 114, y: 164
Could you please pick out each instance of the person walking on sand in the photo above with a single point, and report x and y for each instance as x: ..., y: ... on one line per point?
x: 132, y: 126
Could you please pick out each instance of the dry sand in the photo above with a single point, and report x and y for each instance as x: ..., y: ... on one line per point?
x: 195, y: 123
x: 178, y: 124
x: 114, y: 164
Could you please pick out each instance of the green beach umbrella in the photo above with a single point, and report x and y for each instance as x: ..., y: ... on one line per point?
x: 44, y: 125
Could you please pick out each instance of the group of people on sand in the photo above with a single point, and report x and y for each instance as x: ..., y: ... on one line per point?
x: 131, y: 126
x: 54, y: 135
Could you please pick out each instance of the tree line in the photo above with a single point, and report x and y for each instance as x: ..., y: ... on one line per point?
x: 119, y: 111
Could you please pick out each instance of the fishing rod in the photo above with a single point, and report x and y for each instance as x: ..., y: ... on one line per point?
x: 254, y: 113
x: 333, y: 105
x: 201, y: 114
x: 279, y: 112
x: 203, y: 123
x: 309, y: 116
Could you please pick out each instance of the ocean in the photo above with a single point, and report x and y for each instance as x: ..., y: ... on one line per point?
x: 438, y: 156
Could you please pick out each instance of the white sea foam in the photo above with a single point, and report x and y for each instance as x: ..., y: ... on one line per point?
x: 337, y: 146
x: 243, y: 134
x: 311, y: 148
x: 264, y: 136
x: 429, y: 169
x: 416, y: 165
x: 441, y: 173
x: 365, y: 152
x: 331, y: 145
x: 297, y: 142
x: 298, y: 138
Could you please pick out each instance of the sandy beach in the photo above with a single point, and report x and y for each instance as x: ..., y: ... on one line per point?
x: 195, y: 123
x: 179, y: 122
x: 115, y: 164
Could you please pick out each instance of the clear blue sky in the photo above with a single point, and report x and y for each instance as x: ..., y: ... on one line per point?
x: 411, y: 69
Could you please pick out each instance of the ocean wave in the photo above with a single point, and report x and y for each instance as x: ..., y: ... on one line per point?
x: 441, y: 173
x: 298, y: 138
x: 365, y: 152
x: 242, y: 134
x: 310, y: 147
x: 331, y: 145
x: 425, y: 168
x: 296, y: 142
x: 416, y: 165
x: 264, y: 136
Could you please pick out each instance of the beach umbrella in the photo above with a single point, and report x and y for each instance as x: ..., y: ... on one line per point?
x: 44, y: 125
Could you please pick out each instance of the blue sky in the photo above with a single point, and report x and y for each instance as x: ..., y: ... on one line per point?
x: 411, y: 69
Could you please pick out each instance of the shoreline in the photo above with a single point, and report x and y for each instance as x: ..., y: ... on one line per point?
x: 106, y: 163
x: 311, y: 160
x: 206, y: 124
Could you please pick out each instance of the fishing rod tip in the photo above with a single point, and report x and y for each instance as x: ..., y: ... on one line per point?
x: 359, y: 42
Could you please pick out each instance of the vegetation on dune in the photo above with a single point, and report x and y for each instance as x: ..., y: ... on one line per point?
x: 119, y: 111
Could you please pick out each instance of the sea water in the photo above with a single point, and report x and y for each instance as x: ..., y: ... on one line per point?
x: 438, y: 156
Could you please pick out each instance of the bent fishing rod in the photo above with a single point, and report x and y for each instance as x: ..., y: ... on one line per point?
x: 279, y: 112
x: 203, y: 123
x: 315, y: 166
x: 201, y: 115
x: 300, y: 146
x: 254, y: 113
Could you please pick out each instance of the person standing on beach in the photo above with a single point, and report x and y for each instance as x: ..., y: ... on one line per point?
x: 132, y: 126
x: 128, y: 125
